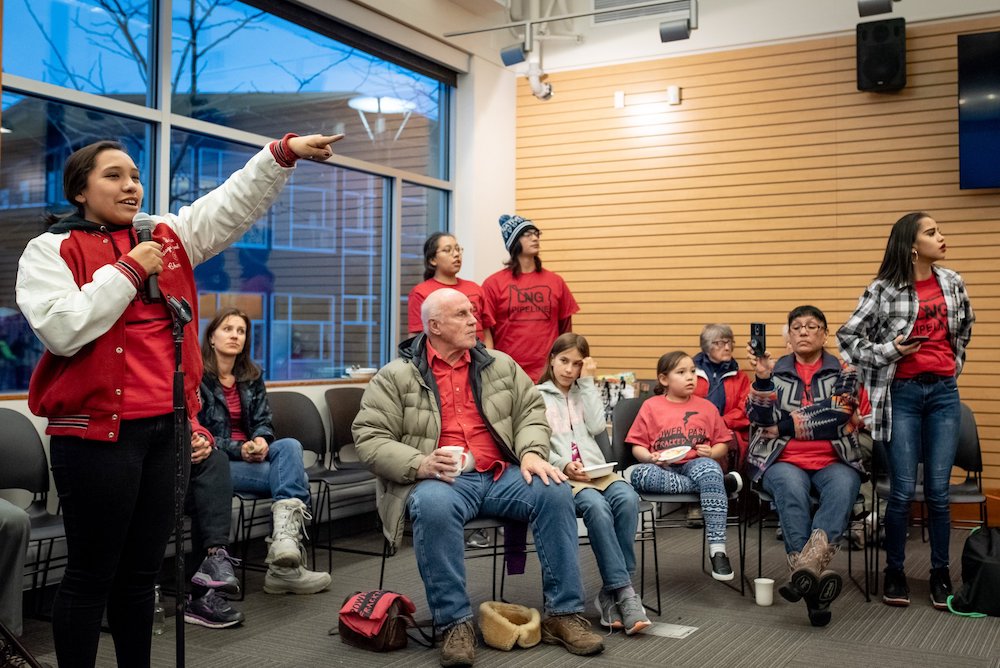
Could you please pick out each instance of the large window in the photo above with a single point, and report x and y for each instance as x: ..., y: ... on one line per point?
x: 318, y: 272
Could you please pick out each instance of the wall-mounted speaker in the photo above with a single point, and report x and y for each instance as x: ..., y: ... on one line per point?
x: 881, y: 56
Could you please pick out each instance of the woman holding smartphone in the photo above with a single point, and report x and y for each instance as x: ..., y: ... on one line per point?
x: 908, y: 335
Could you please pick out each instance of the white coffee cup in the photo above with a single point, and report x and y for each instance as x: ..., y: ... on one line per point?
x: 464, y: 461
x: 764, y: 591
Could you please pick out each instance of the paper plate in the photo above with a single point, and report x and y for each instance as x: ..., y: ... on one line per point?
x: 599, y: 470
x: 671, y: 455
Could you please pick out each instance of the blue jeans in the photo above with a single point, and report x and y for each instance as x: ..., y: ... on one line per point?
x: 281, y: 476
x: 611, y: 518
x: 925, y: 421
x: 439, y: 510
x: 837, y: 487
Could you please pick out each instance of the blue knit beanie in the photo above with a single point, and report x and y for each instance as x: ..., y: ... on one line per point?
x: 512, y: 227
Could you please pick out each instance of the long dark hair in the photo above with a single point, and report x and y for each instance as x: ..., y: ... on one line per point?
x: 244, y: 367
x: 897, y: 263
x: 567, y: 341
x: 668, y: 362
x: 514, y: 265
x: 430, y: 252
x: 77, y: 168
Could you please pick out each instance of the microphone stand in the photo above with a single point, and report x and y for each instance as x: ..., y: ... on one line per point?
x: 182, y: 315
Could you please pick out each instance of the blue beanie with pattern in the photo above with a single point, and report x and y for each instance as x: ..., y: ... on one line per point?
x: 512, y: 227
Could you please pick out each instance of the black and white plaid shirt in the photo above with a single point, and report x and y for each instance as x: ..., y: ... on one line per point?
x: 884, y: 312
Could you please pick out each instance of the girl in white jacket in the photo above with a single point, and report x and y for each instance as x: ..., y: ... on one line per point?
x: 608, y: 504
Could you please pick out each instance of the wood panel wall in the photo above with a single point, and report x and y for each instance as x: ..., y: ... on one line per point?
x: 773, y: 184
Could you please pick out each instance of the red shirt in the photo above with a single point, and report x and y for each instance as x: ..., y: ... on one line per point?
x: 235, y: 407
x: 526, y: 311
x: 149, y: 350
x: 808, y: 455
x: 461, y: 422
x: 935, y: 354
x: 470, y: 289
x: 662, y: 424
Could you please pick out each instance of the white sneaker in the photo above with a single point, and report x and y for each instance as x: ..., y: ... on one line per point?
x: 281, y: 580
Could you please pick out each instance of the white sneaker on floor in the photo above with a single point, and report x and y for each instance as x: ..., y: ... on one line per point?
x: 282, y: 580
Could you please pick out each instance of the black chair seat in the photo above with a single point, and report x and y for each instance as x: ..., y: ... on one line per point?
x: 340, y: 476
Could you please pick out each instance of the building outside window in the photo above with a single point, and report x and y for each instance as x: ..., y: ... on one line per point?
x: 318, y: 274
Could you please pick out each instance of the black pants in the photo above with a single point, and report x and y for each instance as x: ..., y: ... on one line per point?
x: 117, y: 503
x: 210, y: 504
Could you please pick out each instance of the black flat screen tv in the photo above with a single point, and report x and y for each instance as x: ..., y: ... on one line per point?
x: 979, y: 110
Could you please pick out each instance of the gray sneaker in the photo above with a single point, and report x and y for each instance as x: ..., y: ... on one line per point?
x: 633, y: 614
x: 216, y: 572
x: 611, y: 617
x: 478, y: 538
x: 212, y: 611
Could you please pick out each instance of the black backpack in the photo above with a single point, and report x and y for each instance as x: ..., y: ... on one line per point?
x: 979, y: 595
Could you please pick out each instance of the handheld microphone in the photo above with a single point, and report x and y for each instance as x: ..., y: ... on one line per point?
x: 144, y: 224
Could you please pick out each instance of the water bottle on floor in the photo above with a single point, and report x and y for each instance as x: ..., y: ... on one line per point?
x: 159, y: 616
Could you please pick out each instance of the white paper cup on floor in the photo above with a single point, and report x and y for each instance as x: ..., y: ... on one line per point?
x: 763, y: 591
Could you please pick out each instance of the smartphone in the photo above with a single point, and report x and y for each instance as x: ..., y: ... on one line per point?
x: 914, y: 339
x: 758, y: 338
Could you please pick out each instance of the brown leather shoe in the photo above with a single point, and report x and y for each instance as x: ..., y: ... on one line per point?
x: 572, y: 632
x: 458, y: 647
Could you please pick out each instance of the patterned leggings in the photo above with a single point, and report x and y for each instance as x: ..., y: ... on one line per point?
x: 701, y: 475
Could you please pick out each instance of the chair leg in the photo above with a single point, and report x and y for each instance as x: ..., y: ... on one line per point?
x: 385, y: 555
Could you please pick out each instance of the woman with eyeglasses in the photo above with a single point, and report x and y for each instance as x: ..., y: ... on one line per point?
x: 908, y: 334
x: 721, y: 381
x: 805, y: 454
x: 529, y: 306
x: 442, y: 262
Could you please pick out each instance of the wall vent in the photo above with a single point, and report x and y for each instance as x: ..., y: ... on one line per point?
x: 625, y: 15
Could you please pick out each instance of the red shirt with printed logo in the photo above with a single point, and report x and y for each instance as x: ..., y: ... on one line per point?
x: 526, y: 312
x: 935, y: 354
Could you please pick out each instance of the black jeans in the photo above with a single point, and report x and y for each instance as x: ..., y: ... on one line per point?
x: 210, y: 504
x: 117, y: 503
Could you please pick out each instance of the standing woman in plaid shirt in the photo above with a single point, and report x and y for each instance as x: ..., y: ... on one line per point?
x: 912, y: 385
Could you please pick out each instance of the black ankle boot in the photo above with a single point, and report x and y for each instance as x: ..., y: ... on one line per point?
x: 940, y: 586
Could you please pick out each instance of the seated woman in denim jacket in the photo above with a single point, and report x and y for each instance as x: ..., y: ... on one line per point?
x: 235, y: 411
x: 805, y: 446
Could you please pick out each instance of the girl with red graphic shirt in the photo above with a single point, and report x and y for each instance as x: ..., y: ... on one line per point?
x: 675, y: 418
x: 908, y: 336
x: 442, y: 262
x: 529, y: 306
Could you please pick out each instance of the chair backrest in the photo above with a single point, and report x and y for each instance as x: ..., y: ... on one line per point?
x: 604, y: 443
x: 621, y: 421
x: 294, y: 415
x: 968, y: 456
x: 343, y: 403
x: 23, y: 464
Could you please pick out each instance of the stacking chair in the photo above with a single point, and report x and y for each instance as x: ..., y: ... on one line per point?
x: 969, y: 458
x: 344, y: 486
x: 25, y: 466
x: 624, y: 415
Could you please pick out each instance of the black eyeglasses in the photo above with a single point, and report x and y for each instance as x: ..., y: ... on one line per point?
x: 532, y: 233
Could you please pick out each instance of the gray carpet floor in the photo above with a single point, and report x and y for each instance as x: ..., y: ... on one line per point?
x: 292, y: 631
